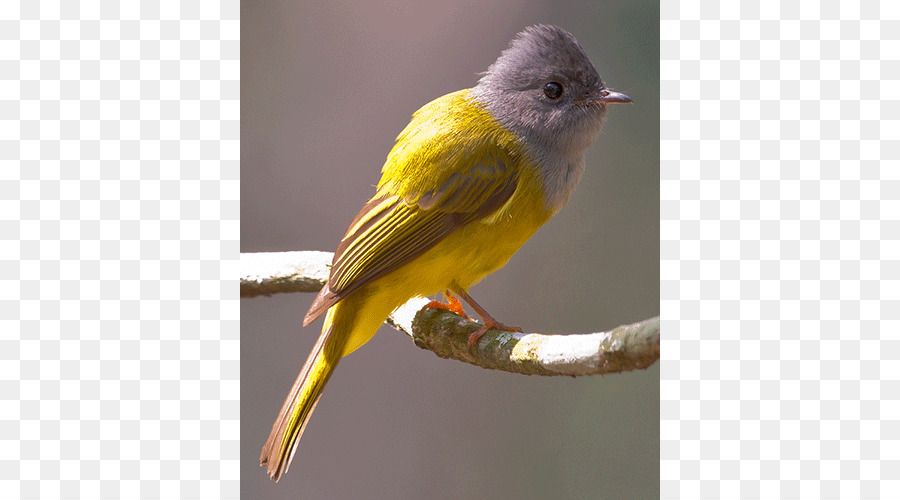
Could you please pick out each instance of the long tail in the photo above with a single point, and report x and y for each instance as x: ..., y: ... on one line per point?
x: 301, y: 401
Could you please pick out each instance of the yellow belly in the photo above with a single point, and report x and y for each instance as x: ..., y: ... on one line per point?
x: 463, y: 259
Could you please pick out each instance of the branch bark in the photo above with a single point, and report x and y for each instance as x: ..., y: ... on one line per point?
x: 624, y: 348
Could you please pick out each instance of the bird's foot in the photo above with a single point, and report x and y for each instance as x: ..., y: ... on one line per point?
x: 490, y: 325
x: 453, y: 305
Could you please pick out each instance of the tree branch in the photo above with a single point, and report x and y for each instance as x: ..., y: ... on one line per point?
x: 624, y: 348
x: 265, y: 273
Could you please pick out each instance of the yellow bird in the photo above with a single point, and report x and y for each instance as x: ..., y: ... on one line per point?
x: 469, y: 180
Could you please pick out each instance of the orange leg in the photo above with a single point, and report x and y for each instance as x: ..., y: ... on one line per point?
x: 489, y: 322
x: 452, y: 305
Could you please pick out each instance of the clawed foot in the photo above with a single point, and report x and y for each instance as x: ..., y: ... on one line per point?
x: 453, y: 305
x: 493, y: 325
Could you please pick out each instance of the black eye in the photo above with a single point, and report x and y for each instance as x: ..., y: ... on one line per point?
x: 553, y: 90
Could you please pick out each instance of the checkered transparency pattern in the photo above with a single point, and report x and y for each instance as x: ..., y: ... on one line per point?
x: 119, y: 215
x: 781, y: 259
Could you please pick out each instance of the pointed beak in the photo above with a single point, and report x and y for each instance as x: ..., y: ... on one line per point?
x: 609, y: 97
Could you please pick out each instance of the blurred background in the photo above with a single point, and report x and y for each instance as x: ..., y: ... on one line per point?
x: 325, y: 89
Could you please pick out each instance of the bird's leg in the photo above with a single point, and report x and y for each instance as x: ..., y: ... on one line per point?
x: 452, y: 305
x: 489, y: 322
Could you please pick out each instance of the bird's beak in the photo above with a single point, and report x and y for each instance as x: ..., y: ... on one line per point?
x: 609, y: 97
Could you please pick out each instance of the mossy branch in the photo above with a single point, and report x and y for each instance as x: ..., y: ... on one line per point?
x: 624, y: 348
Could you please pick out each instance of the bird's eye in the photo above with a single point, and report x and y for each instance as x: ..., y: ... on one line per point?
x: 553, y: 90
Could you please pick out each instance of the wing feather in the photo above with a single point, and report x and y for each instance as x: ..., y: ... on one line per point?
x: 446, y: 181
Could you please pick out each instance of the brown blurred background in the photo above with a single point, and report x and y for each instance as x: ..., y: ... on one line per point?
x: 325, y: 89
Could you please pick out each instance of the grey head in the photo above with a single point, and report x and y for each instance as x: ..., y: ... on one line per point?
x: 545, y: 89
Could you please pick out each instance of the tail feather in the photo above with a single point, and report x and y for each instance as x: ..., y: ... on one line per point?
x: 279, y: 449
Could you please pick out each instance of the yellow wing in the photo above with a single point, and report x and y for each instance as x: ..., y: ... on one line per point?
x: 434, y: 181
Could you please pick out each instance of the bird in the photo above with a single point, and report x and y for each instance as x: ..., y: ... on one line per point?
x: 468, y: 181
